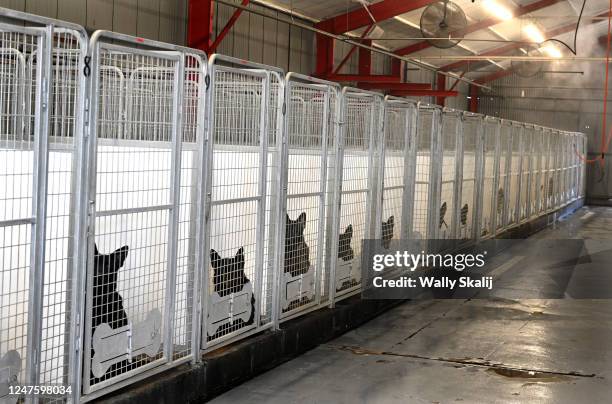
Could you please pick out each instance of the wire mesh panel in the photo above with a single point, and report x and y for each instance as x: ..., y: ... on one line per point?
x: 515, y: 176
x: 242, y: 188
x: 143, y: 182
x: 448, y: 187
x: 524, y: 197
x: 551, y: 179
x: 471, y: 160
x: 24, y: 160
x: 545, y: 170
x: 583, y: 148
x: 41, y: 110
x: 504, y: 165
x: 565, y: 169
x: 308, y: 143
x: 362, y: 118
x: 490, y: 194
x: 424, y: 217
x: 534, y: 155
x: 396, y: 168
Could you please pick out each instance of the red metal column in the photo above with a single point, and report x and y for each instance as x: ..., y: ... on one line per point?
x: 200, y: 24
x: 473, y: 99
x: 441, y: 86
x: 365, y: 58
x: 325, y: 53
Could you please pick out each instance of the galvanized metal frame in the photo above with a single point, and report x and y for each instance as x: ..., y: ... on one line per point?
x: 409, y: 126
x: 471, y: 205
x: 505, y: 160
x: 455, y: 133
x: 491, y: 131
x: 263, y: 73
x: 176, y: 55
x: 375, y: 104
x: 57, y: 354
x: 327, y: 118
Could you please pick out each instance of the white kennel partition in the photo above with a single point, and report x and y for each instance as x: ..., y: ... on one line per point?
x: 490, y: 199
x: 309, y: 137
x: 145, y: 131
x: 425, y: 218
x: 41, y: 99
x: 542, y: 164
x: 504, y: 166
x: 567, y: 161
x: 471, y: 161
x: 449, y: 155
x: 397, y: 158
x: 545, y: 176
x: 526, y: 142
x: 551, y: 178
x: 245, y: 105
x: 514, y: 186
x: 534, y: 156
x: 361, y: 117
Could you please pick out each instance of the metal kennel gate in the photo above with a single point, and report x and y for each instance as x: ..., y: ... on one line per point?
x: 471, y: 160
x: 396, y: 170
x: 512, y: 218
x: 145, y: 132
x: 361, y: 120
x: 449, y: 149
x: 534, y: 156
x: 308, y: 142
x: 523, y: 207
x: 427, y: 138
x: 504, y: 164
x: 243, y: 173
x: 41, y: 99
x: 490, y: 198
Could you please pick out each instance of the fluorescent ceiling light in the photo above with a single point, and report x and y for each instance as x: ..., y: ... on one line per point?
x: 534, y: 33
x: 499, y: 11
x: 552, y: 51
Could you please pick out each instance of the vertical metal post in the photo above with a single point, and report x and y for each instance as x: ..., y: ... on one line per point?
x: 175, y: 202
x: 39, y: 204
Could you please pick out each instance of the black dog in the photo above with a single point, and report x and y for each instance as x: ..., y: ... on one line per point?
x: 387, y: 231
x: 229, y: 277
x: 297, y: 253
x: 107, y: 302
x: 345, y: 251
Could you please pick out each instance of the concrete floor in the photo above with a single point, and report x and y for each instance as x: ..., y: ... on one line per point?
x: 493, y: 350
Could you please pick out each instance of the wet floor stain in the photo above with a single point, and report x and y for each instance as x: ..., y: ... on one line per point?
x: 543, y: 377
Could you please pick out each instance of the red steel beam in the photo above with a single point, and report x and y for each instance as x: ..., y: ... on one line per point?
x: 424, y: 93
x: 359, y: 17
x: 352, y: 50
x: 482, y: 24
x: 441, y: 87
x: 228, y: 27
x: 473, y: 107
x: 365, y: 58
x: 200, y: 24
x: 368, y: 78
x: 395, y: 86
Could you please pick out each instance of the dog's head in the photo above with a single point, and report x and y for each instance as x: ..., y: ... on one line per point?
x: 345, y: 251
x: 106, y: 269
x: 387, y: 231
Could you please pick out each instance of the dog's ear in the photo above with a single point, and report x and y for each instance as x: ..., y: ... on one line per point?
x: 96, y: 253
x: 118, y: 257
x: 214, y: 258
x: 391, y: 220
x: 302, y: 220
x: 240, y: 254
x: 288, y: 218
x: 349, y: 230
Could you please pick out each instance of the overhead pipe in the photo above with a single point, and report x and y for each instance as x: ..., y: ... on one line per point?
x: 355, y: 43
